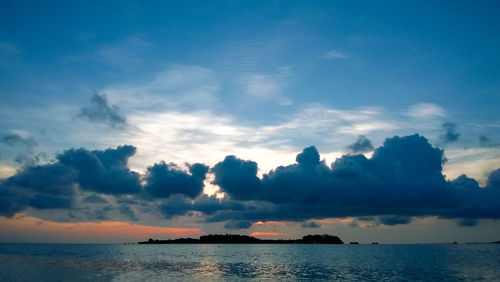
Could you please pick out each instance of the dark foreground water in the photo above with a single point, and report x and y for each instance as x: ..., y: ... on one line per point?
x: 49, y: 262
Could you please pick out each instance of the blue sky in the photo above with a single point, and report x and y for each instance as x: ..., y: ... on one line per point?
x: 195, y: 81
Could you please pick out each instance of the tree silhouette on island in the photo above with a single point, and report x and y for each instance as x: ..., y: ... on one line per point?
x: 244, y: 239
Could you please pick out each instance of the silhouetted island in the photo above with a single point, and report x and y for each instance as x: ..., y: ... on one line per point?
x: 244, y: 239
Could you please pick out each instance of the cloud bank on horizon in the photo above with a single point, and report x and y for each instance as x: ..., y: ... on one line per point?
x: 401, y: 180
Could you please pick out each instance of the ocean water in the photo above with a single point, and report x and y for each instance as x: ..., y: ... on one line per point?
x: 81, y: 262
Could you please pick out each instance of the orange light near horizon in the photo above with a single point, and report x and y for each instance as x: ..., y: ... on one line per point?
x: 346, y: 220
x: 109, y: 231
x: 266, y: 234
x: 276, y: 223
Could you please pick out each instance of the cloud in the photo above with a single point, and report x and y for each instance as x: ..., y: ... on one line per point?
x: 487, y: 142
x: 28, y: 153
x: 426, y: 110
x: 362, y: 145
x: 334, y: 55
x: 450, y: 132
x: 467, y: 222
x: 394, y: 220
x: 476, y: 162
x: 164, y: 180
x: 183, y: 135
x: 43, y: 201
x: 317, y: 121
x: 94, y: 199
x: 494, y: 179
x: 42, y: 187
x: 178, y: 86
x: 238, y: 224
x: 13, y: 139
x: 54, y: 185
x: 126, y: 52
x: 178, y: 205
x: 310, y: 224
x: 267, y: 87
x: 402, y: 179
x: 52, y: 179
x: 6, y: 171
x: 126, y: 210
x: 99, y: 111
x: 104, y: 171
x: 238, y: 177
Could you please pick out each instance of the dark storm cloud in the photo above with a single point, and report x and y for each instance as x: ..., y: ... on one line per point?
x: 494, y: 180
x: 394, y: 170
x: 164, y: 180
x: 403, y: 179
x: 42, y: 187
x: 450, y: 132
x: 238, y: 177
x: 11, y: 201
x: 362, y: 145
x: 103, y: 171
x: 54, y: 185
x: 53, y: 179
x: 30, y: 158
x: 44, y: 201
x: 178, y: 205
x: 100, y: 111
x: 74, y: 171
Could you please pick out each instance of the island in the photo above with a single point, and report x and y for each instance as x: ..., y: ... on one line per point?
x: 244, y: 239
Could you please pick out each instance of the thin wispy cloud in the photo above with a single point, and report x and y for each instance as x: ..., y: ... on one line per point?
x: 24, y: 147
x: 243, y: 57
x: 183, y: 135
x: 17, y: 138
x: 334, y: 55
x: 177, y: 86
x: 125, y: 52
x: 267, y: 86
x: 317, y: 121
x: 487, y: 142
x: 426, y: 110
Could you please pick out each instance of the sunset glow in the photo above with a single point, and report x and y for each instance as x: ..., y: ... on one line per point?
x: 266, y: 234
x: 104, y: 231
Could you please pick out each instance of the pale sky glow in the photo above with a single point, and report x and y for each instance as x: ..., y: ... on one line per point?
x: 190, y: 83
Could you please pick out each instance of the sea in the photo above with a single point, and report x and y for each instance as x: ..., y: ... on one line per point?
x: 242, y: 262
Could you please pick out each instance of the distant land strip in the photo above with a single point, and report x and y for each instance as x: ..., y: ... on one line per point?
x: 244, y: 239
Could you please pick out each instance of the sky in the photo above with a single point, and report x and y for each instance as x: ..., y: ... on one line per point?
x: 372, y: 121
